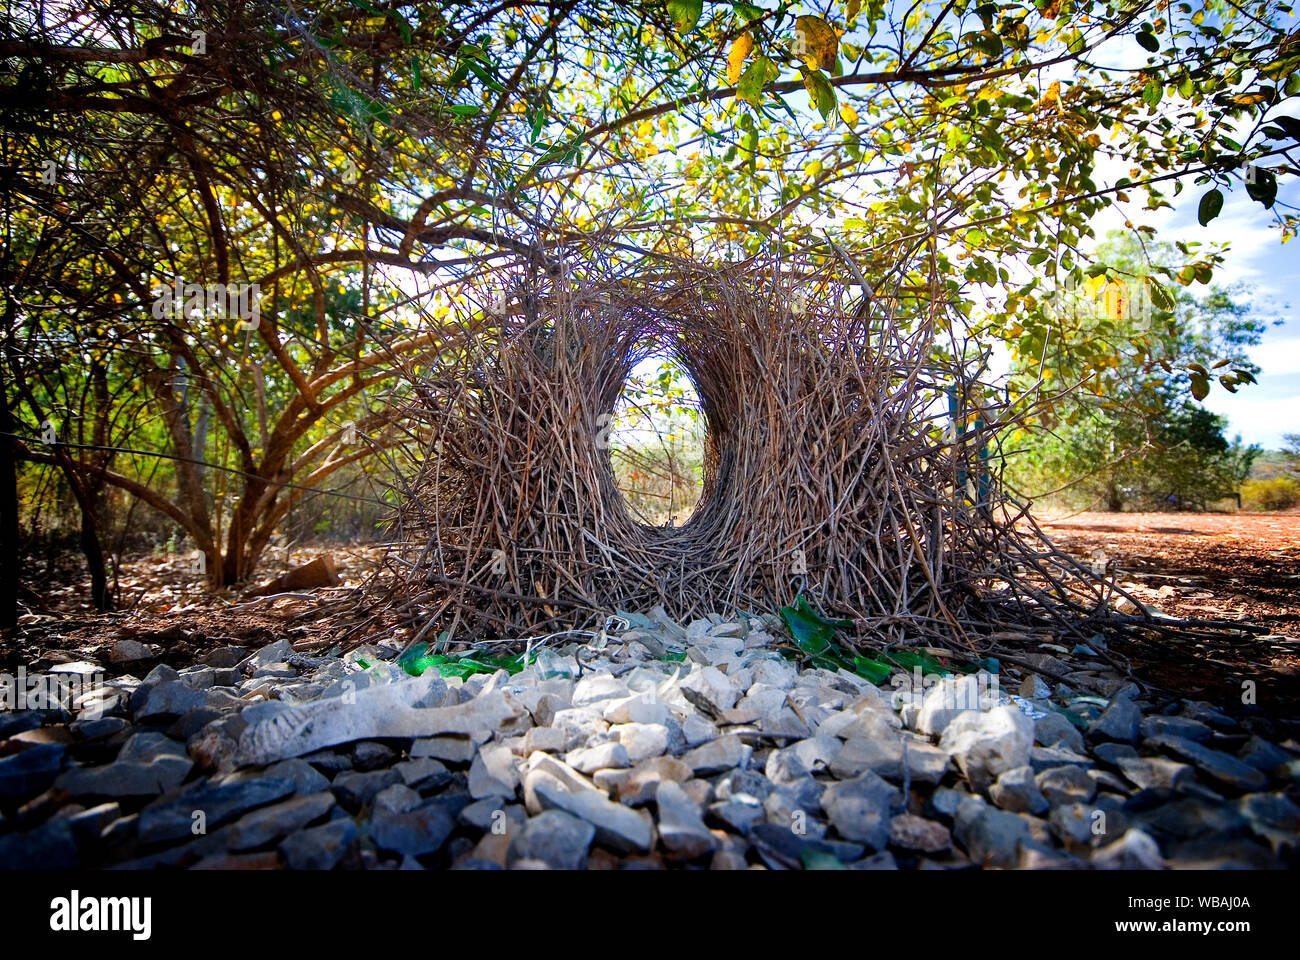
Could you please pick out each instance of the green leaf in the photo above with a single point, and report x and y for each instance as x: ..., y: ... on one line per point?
x: 750, y: 88
x: 1211, y: 205
x: 872, y: 670
x: 819, y: 860
x: 748, y: 10
x: 1148, y: 41
x: 1160, y: 296
x: 1290, y: 124
x: 1200, y: 386
x: 820, y: 92
x: 1264, y: 189
x: 685, y: 14
x: 811, y: 631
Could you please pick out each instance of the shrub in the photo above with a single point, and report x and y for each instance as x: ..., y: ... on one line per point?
x: 1275, y: 493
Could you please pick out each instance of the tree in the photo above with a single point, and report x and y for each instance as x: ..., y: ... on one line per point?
x: 1136, y: 431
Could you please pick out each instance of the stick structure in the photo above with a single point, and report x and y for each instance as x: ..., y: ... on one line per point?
x: 849, y: 456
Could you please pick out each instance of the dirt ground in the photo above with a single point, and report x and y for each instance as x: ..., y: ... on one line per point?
x: 1216, y: 566
x: 1242, y: 567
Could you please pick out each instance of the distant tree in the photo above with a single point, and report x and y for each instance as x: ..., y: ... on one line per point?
x: 1135, y: 432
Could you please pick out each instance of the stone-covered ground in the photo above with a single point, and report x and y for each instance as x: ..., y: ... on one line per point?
x: 616, y: 755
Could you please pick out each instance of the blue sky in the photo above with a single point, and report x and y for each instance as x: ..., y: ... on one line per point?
x: 1260, y: 412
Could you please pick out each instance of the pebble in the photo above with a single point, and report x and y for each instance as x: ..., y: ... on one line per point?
x: 1017, y: 791
x: 681, y: 828
x: 553, y: 839
x: 1223, y: 767
x: 913, y: 833
x: 319, y: 848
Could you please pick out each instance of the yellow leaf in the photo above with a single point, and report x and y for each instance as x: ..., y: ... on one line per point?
x: 848, y: 115
x: 740, y: 51
x: 1053, y: 95
x: 816, y: 42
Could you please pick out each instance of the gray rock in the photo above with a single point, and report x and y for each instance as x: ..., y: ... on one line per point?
x: 15, y: 722
x: 260, y: 827
x: 990, y: 837
x: 1113, y: 753
x: 32, y: 770
x: 414, y: 833
x: 1265, y: 756
x: 425, y: 773
x: 860, y: 809
x: 555, y: 838
x: 739, y: 815
x: 1073, y: 823
x: 168, y: 699
x: 710, y: 691
x: 396, y: 798
x: 51, y: 846
x: 172, y: 816
x: 611, y: 755
x: 368, y: 755
x: 1191, y: 818
x: 98, y: 729
x: 794, y: 804
x: 1274, y: 818
x: 681, y: 829
x: 596, y: 687
x: 945, y: 801
x: 319, y: 848
x: 130, y: 651
x: 355, y: 790
x: 1017, y: 791
x: 225, y: 657
x: 618, y: 827
x: 913, y: 833
x: 1066, y: 784
x: 490, y: 813
x: 1176, y: 727
x: 493, y: 773
x: 1054, y: 729
x: 1034, y: 687
x: 986, y: 744
x: 1121, y: 722
x: 306, y: 779
x: 718, y: 755
x: 148, y: 765
x: 782, y: 848
x: 1154, y: 773
x: 641, y: 741
x: 446, y: 749
x: 1209, y: 714
x: 1223, y: 767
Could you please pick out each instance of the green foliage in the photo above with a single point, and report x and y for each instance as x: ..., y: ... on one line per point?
x: 1135, y: 433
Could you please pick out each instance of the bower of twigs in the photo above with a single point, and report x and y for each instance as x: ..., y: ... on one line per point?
x: 848, y: 457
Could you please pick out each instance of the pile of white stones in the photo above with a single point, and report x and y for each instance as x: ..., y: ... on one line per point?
x: 699, y: 747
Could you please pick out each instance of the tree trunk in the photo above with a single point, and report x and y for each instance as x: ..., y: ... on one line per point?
x: 1114, y: 502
